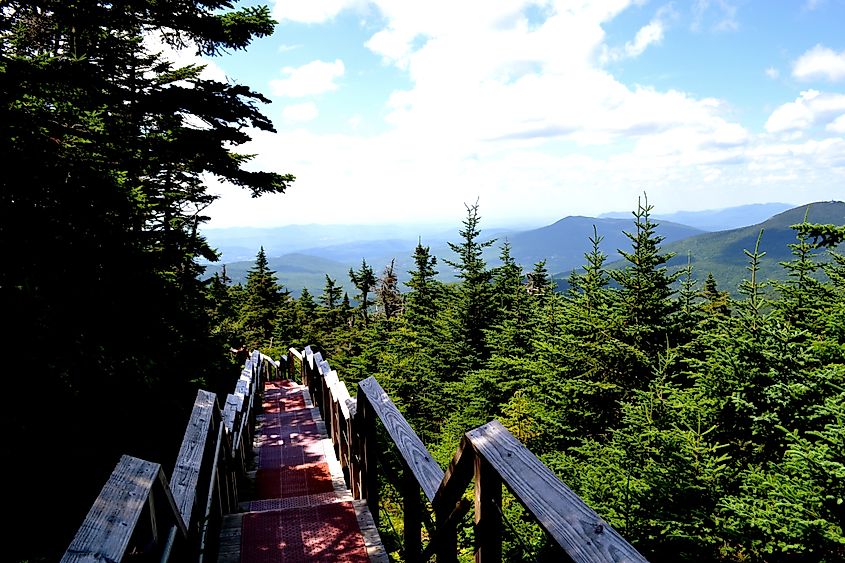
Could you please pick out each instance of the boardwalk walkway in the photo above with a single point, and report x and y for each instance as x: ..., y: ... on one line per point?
x: 301, y: 509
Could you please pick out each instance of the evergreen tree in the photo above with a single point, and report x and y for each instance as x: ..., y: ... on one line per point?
x: 507, y: 281
x: 588, y: 288
x: 804, y: 298
x: 426, y: 291
x: 330, y: 299
x: 539, y: 282
x: 365, y: 281
x: 715, y: 301
x: 114, y: 188
x: 472, y: 306
x: 646, y: 285
x: 262, y: 298
x: 389, y: 298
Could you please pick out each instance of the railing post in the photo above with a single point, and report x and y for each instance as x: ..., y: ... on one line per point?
x: 353, y: 425
x: 447, y: 549
x: 488, y: 520
x: 413, y: 515
x: 369, y: 451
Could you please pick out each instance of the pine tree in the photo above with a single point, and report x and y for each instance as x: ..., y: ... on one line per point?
x: 539, y: 282
x: 330, y: 299
x: 646, y: 285
x: 365, y: 281
x: 263, y: 297
x: 715, y: 301
x: 804, y: 298
x: 114, y: 188
x: 422, y: 301
x: 472, y: 306
x: 389, y: 298
x: 753, y: 289
x: 588, y: 288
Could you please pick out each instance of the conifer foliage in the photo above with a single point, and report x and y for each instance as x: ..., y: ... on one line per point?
x: 99, y: 224
x: 703, y: 427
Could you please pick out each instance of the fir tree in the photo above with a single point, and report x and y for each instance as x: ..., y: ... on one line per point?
x: 263, y: 297
x: 646, y: 285
x: 426, y: 291
x: 472, y: 307
x: 365, y: 281
x: 389, y: 298
x: 115, y: 169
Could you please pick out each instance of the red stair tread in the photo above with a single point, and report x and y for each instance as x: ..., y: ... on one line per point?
x: 297, y: 515
x: 293, y: 481
x: 325, y: 533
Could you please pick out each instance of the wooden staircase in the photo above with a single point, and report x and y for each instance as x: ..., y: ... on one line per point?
x: 268, y: 478
x: 300, y: 508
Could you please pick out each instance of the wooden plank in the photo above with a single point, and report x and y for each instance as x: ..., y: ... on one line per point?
x: 342, y: 397
x: 295, y: 353
x: 413, y: 451
x: 488, y: 519
x: 105, y: 533
x: 447, y: 501
x: 230, y: 412
x: 229, y: 546
x: 324, y: 367
x: 576, y: 527
x: 186, y: 472
x: 412, y: 511
x: 242, y: 391
x: 331, y: 380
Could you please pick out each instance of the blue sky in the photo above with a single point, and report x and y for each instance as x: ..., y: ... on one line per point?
x: 395, y: 111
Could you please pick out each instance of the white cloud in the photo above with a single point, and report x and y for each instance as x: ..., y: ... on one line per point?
x: 837, y: 125
x: 154, y: 43
x: 310, y: 11
x: 820, y: 63
x: 650, y: 34
x: 772, y: 73
x: 300, y: 113
x: 312, y: 78
x: 725, y: 15
x: 812, y: 108
x: 519, y: 111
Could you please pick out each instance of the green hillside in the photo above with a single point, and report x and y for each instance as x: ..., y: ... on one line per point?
x: 295, y: 271
x: 721, y: 253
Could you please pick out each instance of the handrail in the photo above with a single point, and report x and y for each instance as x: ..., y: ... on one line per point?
x: 490, y: 456
x: 107, y: 530
x: 210, y: 463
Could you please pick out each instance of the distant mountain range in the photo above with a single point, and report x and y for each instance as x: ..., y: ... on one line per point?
x: 722, y: 253
x: 717, y: 219
x: 302, y: 255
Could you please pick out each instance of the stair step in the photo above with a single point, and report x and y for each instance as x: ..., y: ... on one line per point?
x: 308, y: 514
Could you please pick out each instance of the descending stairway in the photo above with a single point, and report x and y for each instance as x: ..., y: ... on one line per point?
x: 301, y: 509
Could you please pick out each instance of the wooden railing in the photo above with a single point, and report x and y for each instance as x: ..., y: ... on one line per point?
x: 140, y: 513
x: 489, y: 456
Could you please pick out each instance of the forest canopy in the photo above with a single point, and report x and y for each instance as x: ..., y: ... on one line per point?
x: 107, y: 146
x: 702, y: 426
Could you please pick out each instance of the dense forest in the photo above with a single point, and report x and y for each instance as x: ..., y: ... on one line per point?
x: 107, y: 147
x: 704, y: 427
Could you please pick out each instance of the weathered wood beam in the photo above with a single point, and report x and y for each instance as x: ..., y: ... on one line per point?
x: 427, y: 472
x: 576, y: 527
x: 186, y: 472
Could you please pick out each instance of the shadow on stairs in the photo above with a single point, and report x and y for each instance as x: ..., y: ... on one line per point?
x: 300, y: 508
